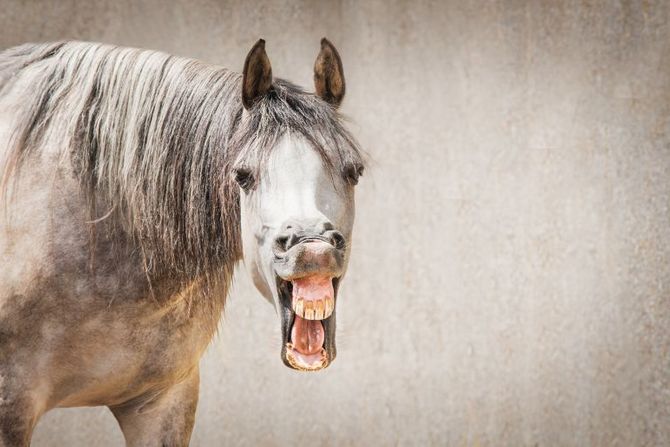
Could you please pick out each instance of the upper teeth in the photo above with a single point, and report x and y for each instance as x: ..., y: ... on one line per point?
x: 314, y: 309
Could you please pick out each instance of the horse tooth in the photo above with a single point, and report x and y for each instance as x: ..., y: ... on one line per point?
x: 298, y: 307
x: 318, y: 314
x: 309, y: 310
x: 330, y: 306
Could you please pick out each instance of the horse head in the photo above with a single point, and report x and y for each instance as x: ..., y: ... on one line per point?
x: 297, y: 201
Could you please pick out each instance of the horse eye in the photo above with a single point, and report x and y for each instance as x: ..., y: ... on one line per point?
x: 352, y: 173
x: 244, y: 178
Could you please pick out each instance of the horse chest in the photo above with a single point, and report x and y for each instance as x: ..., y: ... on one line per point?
x: 128, y: 353
x: 96, y: 340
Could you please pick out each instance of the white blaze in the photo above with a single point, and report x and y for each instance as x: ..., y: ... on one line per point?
x: 296, y: 186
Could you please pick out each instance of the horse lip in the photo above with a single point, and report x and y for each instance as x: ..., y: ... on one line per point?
x: 300, y: 261
x: 280, y: 253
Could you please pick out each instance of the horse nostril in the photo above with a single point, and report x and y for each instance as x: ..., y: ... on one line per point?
x: 281, y: 243
x: 337, y: 240
x: 285, y: 241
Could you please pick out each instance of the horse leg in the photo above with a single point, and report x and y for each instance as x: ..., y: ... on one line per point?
x: 165, y: 420
x: 17, y: 419
x: 15, y: 429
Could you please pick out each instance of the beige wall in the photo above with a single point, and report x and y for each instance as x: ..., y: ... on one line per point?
x: 510, y: 281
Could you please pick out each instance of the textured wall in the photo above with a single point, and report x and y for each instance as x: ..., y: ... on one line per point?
x: 510, y: 282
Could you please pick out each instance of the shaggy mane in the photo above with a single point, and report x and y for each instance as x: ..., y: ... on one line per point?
x: 154, y: 140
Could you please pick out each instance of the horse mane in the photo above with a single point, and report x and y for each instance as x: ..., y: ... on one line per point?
x: 153, y: 140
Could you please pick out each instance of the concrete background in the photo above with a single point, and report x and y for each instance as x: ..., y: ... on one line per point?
x: 509, y: 283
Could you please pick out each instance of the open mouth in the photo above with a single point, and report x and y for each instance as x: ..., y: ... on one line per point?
x: 308, y: 321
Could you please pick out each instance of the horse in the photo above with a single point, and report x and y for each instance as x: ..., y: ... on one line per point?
x: 133, y: 182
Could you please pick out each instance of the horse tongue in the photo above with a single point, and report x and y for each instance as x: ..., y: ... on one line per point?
x: 307, y: 336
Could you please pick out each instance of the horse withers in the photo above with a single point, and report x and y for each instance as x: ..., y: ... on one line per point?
x: 132, y: 183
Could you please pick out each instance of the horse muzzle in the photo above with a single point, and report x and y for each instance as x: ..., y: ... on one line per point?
x: 314, y: 257
x: 308, y: 275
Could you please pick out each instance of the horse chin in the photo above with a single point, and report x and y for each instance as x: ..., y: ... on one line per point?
x: 308, y: 344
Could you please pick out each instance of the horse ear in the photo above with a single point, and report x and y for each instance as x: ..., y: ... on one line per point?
x: 328, y: 74
x: 257, y: 75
